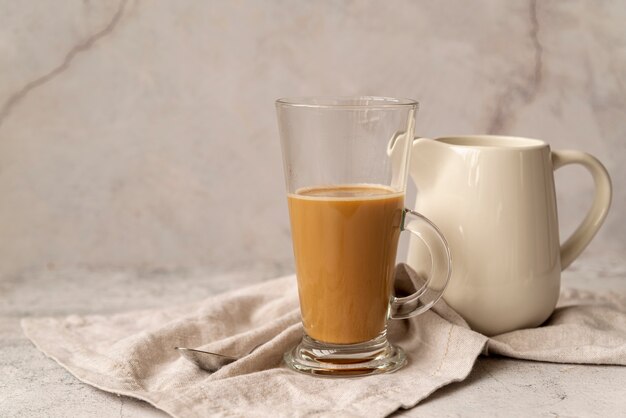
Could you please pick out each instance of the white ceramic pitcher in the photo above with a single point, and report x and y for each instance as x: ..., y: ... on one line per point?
x: 493, y: 198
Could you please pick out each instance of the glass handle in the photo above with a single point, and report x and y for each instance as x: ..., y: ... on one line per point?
x: 437, y: 280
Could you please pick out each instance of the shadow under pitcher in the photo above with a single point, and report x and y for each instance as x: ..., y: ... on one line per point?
x: 346, y: 162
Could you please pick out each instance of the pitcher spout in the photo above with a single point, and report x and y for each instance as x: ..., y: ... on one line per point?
x: 427, y: 157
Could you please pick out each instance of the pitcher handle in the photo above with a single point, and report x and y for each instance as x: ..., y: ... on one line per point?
x: 581, y: 237
x: 436, y: 282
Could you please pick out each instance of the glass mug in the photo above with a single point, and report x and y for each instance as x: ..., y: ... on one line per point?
x: 346, y: 164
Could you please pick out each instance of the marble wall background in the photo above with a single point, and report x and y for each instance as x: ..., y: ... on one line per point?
x: 141, y: 134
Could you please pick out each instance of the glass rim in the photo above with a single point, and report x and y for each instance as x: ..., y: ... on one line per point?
x: 346, y: 102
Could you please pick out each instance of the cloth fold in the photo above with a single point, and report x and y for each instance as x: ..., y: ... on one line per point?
x: 132, y: 353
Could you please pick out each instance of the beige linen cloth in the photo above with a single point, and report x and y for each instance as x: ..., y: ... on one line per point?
x: 132, y: 353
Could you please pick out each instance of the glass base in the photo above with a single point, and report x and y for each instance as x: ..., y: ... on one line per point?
x: 345, y: 360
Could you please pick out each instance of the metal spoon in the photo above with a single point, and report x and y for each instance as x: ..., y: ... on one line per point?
x: 206, y: 360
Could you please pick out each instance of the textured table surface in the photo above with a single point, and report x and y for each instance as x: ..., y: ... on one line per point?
x: 33, y: 385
